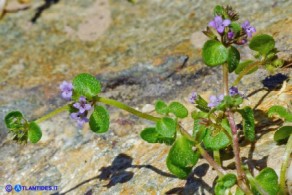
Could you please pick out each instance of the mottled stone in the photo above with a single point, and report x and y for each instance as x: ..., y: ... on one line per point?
x: 142, y: 52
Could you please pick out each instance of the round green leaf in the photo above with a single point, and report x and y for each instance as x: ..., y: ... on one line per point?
x: 262, y: 43
x: 233, y: 58
x: 14, y: 120
x: 283, y: 133
x: 281, y: 112
x: 161, y: 107
x: 214, y: 53
x: 34, y: 132
x: 225, y: 182
x: 150, y: 135
x: 99, y: 120
x: 218, y: 141
x: 219, y: 189
x: 268, y: 181
x: 181, y: 157
x: 248, y: 123
x: 85, y: 85
x: 178, y: 110
x: 228, y: 180
x: 166, y: 127
x: 180, y: 172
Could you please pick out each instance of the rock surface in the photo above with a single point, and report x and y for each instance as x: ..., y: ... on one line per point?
x: 140, y: 52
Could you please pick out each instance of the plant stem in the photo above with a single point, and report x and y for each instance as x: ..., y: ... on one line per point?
x: 53, y: 113
x: 210, y: 160
x: 240, y: 174
x: 245, y: 71
x: 225, y: 79
x: 217, y: 158
x: 126, y: 108
x: 241, y: 177
x: 285, y: 165
x: 202, y: 151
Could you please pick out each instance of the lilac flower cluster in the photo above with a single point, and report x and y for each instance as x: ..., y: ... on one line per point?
x: 248, y: 28
x: 233, y: 91
x: 82, y: 105
x: 81, y: 115
x: 215, y: 100
x: 193, y: 98
x: 67, y: 90
x: 221, y: 25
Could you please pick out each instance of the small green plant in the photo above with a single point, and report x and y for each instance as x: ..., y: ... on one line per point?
x: 214, y: 125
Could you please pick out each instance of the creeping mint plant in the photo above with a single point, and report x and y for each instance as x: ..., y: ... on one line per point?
x: 214, y: 127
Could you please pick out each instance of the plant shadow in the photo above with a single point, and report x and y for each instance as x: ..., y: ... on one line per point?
x: 195, y: 183
x: 117, y: 173
x: 47, y: 4
x: 270, y: 83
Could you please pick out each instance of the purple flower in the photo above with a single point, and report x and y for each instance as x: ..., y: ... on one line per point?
x: 193, y: 97
x: 219, y: 24
x: 248, y: 28
x: 82, y: 105
x: 233, y: 91
x: 215, y: 100
x: 67, y: 90
x: 80, y: 118
x: 230, y: 35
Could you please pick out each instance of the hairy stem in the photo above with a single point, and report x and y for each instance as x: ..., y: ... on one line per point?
x: 53, y: 113
x: 241, y: 177
x: 245, y: 71
x: 285, y: 164
x: 126, y: 108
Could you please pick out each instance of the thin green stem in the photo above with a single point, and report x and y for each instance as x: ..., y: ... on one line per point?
x: 53, y: 113
x: 284, y: 166
x: 217, y: 158
x: 202, y: 151
x: 245, y: 71
x: 126, y: 108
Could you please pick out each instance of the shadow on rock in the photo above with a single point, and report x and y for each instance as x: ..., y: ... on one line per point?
x: 42, y: 8
x: 274, y: 81
x: 117, y: 173
x: 195, y: 183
